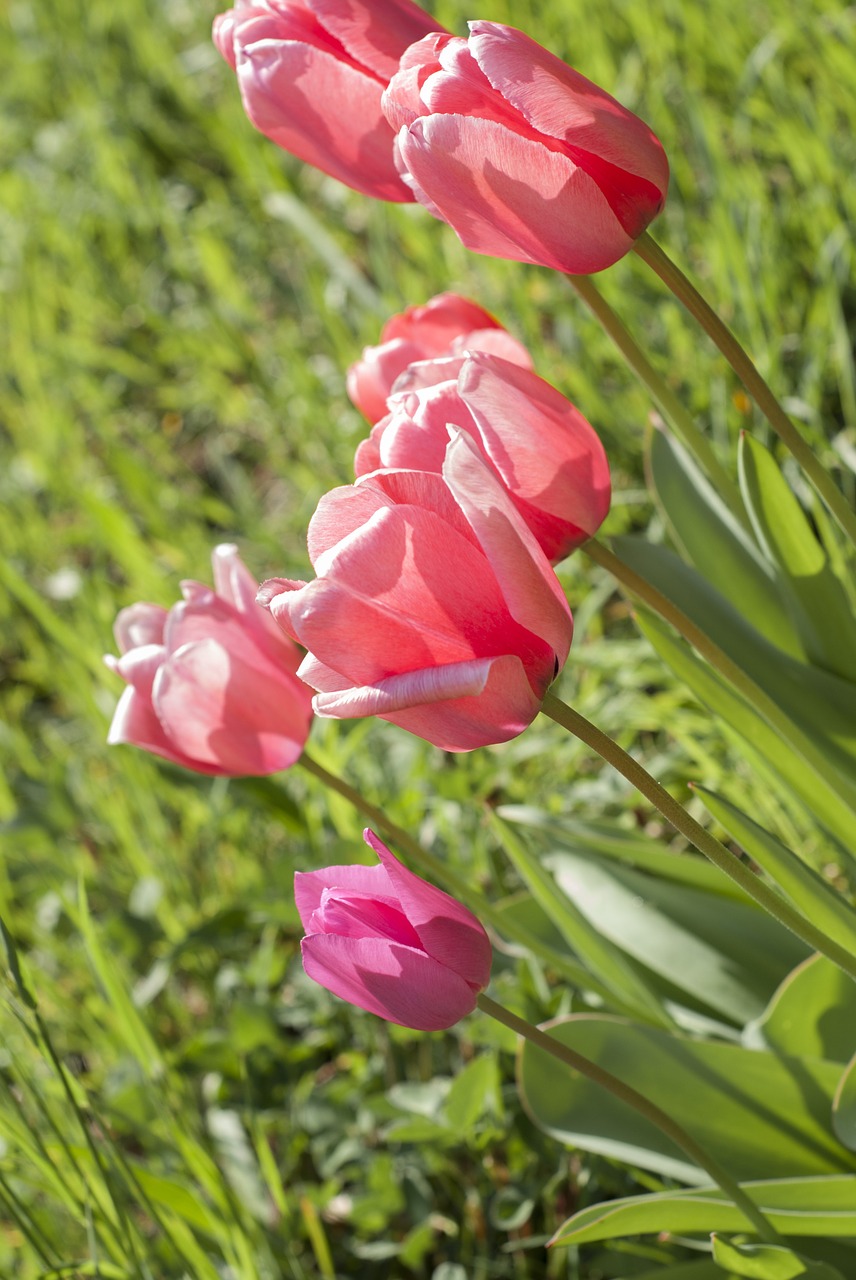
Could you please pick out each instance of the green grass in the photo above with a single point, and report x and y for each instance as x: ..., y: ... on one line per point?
x: 180, y: 302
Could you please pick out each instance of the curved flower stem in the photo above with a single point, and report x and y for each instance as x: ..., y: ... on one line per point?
x: 639, y: 1103
x: 682, y: 821
x: 665, y: 399
x: 468, y: 893
x: 675, y: 280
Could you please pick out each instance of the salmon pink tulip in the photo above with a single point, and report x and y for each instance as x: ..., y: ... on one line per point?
x: 538, y: 444
x: 434, y: 607
x: 445, y: 325
x: 524, y: 157
x: 212, y: 682
x: 311, y: 74
x: 386, y: 941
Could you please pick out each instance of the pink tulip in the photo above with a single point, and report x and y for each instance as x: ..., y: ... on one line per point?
x: 311, y: 74
x: 520, y: 154
x: 212, y: 683
x: 390, y: 943
x: 445, y: 325
x: 537, y: 443
x: 434, y: 607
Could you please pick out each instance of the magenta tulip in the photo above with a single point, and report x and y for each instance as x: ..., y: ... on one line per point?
x: 311, y: 74
x: 212, y: 682
x: 445, y: 325
x: 520, y: 154
x: 538, y: 444
x: 390, y: 943
x: 434, y: 607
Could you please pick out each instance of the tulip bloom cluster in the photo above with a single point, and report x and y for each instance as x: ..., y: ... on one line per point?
x: 388, y: 942
x: 212, y: 682
x: 523, y: 157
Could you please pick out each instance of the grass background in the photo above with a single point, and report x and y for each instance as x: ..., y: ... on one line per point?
x: 180, y: 302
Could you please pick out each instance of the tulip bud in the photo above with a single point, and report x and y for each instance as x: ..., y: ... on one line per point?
x: 537, y: 443
x: 212, y: 682
x: 311, y: 74
x: 445, y: 325
x: 390, y: 943
x: 520, y: 154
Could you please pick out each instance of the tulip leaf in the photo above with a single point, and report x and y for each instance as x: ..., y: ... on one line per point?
x: 813, y: 1013
x: 821, y: 790
x: 807, y: 890
x: 844, y: 1107
x: 820, y: 708
x: 820, y: 1206
x: 606, y: 961
x: 609, y: 841
x: 726, y: 955
x: 759, y: 1113
x: 819, y: 604
x: 712, y: 539
x: 768, y: 1262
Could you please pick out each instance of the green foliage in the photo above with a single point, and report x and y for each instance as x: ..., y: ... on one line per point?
x: 180, y: 303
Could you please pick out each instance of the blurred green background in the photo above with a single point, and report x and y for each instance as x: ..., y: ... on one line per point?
x: 179, y: 302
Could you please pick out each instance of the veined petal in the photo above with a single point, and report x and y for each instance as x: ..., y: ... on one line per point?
x: 309, y: 886
x: 397, y: 983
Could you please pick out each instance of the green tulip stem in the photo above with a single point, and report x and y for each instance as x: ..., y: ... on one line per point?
x: 465, y: 890
x: 665, y: 399
x: 719, y: 333
x: 678, y: 817
x: 625, y: 1093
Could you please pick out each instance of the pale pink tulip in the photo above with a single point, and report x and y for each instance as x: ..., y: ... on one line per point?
x: 520, y: 154
x: 434, y: 607
x: 538, y: 444
x: 387, y: 941
x: 212, y: 682
x: 311, y: 74
x: 445, y: 325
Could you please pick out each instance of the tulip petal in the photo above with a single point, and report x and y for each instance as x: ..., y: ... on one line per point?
x: 139, y: 624
x: 529, y: 586
x: 512, y: 197
x: 395, y: 982
x: 309, y: 886
x: 447, y: 930
x: 322, y: 110
x: 237, y: 587
x: 374, y: 35
x: 556, y: 100
x: 228, y: 713
x: 135, y: 723
x: 498, y: 342
x: 437, y: 323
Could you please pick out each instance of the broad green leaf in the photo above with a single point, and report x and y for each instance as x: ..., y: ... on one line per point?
x: 605, y: 838
x: 474, y: 1090
x: 760, y: 1114
x: 820, y: 1206
x: 807, y: 890
x: 712, y: 539
x: 812, y: 1014
x: 768, y: 1262
x: 819, y: 604
x: 816, y: 707
x: 607, y: 962
x: 728, y: 955
x: 816, y: 786
x: 844, y: 1106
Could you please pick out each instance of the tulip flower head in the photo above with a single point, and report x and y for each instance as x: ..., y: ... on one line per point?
x: 212, y: 682
x: 434, y: 607
x: 388, y: 942
x: 445, y: 325
x: 540, y: 447
x: 311, y: 74
x: 523, y: 157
